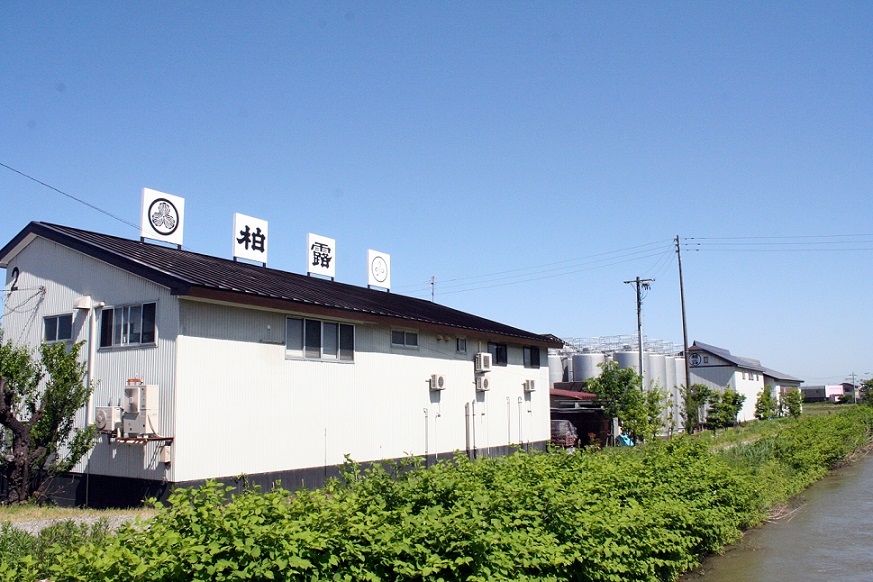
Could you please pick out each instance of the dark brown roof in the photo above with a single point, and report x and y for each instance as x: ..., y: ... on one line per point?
x: 192, y: 274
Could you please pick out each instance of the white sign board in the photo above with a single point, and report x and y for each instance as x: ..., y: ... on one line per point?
x: 378, y: 269
x: 249, y: 238
x: 163, y: 216
x: 320, y: 255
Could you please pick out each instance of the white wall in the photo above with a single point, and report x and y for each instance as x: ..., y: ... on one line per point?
x: 244, y: 407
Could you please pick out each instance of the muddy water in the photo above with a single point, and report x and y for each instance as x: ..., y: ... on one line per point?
x: 828, y: 537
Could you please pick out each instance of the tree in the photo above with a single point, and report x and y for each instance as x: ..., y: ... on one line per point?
x: 766, y: 406
x: 38, y: 402
x: 794, y: 402
x: 867, y: 391
x: 696, y: 400
x: 723, y: 409
x: 640, y: 413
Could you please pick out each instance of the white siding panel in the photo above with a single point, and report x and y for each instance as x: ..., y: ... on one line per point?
x: 243, y: 407
x: 66, y: 275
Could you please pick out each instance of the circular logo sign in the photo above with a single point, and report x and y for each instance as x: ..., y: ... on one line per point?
x: 695, y: 360
x: 163, y: 216
x: 379, y: 268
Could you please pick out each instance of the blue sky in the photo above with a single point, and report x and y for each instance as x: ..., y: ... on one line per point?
x: 531, y: 156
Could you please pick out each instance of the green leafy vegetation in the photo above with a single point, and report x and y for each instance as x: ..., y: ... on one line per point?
x: 643, y: 513
x: 38, y: 402
x: 639, y: 412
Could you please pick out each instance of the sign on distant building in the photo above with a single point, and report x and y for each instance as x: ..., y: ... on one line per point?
x: 379, y: 269
x: 163, y: 216
x: 320, y: 255
x: 249, y: 238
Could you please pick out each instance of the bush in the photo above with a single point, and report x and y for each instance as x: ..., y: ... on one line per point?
x: 643, y: 513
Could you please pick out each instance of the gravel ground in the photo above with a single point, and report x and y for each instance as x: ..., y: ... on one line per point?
x: 34, y: 527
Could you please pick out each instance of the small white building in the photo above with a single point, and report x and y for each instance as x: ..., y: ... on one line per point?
x: 718, y: 369
x: 259, y: 372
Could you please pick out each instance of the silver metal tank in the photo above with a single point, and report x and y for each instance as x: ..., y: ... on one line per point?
x: 556, y: 369
x: 628, y: 359
x: 656, y: 374
x: 585, y: 366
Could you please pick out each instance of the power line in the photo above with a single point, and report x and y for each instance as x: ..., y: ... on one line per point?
x: 70, y: 196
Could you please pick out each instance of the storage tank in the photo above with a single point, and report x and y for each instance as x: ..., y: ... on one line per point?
x: 628, y: 359
x: 670, y: 378
x: 680, y: 381
x: 585, y: 366
x: 556, y: 369
x: 656, y: 374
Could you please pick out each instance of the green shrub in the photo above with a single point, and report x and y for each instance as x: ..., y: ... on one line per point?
x: 643, y: 513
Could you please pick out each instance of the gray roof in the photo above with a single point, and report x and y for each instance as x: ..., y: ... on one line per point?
x: 187, y: 273
x: 740, y: 362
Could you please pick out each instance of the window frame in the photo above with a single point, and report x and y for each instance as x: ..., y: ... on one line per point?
x: 116, y: 332
x: 528, y: 356
x: 411, y: 339
x: 304, y: 335
x: 57, y: 328
x: 496, y: 350
x: 461, y: 345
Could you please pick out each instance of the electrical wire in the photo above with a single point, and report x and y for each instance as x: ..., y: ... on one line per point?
x: 70, y: 196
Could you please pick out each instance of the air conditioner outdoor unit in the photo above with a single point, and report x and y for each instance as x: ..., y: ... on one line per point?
x: 437, y: 382
x: 140, y: 409
x: 483, y: 362
x: 108, y: 418
x: 530, y: 385
x: 482, y: 383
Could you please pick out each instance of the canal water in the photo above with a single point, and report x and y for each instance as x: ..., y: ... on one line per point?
x: 827, y: 537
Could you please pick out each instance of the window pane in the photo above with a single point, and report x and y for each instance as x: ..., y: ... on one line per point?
x: 498, y: 354
x: 134, y: 324
x: 106, y: 328
x: 312, y: 339
x: 294, y: 336
x: 531, y: 357
x: 51, y: 329
x: 461, y: 345
x: 397, y: 338
x: 120, y: 327
x: 65, y: 327
x: 347, y: 342
x: 411, y: 338
x: 148, y: 323
x: 331, y: 341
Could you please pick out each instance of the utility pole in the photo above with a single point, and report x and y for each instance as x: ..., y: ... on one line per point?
x: 640, y: 285
x: 432, y: 287
x: 684, y: 326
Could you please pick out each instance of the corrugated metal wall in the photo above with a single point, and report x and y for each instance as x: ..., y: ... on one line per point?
x: 67, y: 275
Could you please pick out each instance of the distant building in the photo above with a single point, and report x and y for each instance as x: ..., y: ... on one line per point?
x: 830, y: 392
x: 718, y: 369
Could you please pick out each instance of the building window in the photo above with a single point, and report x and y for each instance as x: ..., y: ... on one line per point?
x: 461, y: 345
x: 705, y: 359
x: 498, y: 354
x: 406, y: 339
x: 531, y: 357
x: 58, y: 328
x: 319, y: 340
x: 744, y: 375
x: 128, y: 325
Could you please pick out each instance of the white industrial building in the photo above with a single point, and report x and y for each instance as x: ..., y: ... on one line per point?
x: 717, y: 368
x: 207, y: 368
